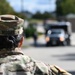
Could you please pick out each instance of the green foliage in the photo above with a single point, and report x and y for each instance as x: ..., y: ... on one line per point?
x: 29, y: 31
x: 65, y: 7
x: 5, y: 8
x: 39, y: 15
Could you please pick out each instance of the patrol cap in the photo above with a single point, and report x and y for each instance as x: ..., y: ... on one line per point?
x: 11, y: 25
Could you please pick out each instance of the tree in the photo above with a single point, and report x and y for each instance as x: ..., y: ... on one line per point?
x: 30, y: 30
x: 37, y: 15
x: 45, y: 15
x: 65, y: 7
x: 5, y: 7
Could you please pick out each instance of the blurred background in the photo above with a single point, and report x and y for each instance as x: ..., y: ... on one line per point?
x: 49, y: 29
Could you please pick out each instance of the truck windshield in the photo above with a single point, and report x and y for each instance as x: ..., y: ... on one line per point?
x: 64, y: 27
x: 56, y: 32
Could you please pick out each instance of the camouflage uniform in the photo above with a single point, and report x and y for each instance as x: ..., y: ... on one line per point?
x: 15, y: 62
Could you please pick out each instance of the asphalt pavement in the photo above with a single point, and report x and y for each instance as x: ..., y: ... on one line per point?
x: 63, y: 57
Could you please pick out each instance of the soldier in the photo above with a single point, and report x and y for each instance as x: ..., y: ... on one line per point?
x: 35, y: 37
x: 12, y: 59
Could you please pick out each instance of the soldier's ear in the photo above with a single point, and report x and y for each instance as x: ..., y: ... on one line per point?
x: 21, y: 42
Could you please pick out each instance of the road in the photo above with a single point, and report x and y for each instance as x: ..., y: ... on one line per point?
x: 63, y: 56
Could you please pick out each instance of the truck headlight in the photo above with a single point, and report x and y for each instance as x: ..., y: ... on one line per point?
x: 61, y: 38
x: 47, y: 39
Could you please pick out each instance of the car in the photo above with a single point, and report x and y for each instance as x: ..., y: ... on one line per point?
x: 56, y: 37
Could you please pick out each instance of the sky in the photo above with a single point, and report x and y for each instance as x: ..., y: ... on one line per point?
x: 33, y: 5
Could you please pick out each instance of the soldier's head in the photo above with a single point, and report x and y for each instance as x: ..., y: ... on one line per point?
x: 11, y: 32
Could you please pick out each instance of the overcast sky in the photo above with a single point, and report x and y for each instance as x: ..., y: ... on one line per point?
x: 33, y: 5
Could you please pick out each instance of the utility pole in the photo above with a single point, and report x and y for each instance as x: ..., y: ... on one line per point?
x: 22, y: 6
x: 58, y: 8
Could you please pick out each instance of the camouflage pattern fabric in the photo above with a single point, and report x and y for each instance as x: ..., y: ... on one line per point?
x: 24, y: 65
x: 11, y: 25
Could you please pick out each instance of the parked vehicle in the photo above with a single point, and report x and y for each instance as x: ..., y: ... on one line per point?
x: 60, y: 30
x: 56, y: 37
